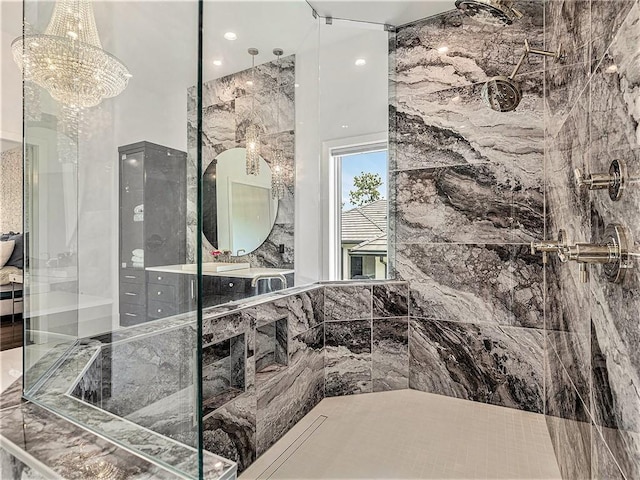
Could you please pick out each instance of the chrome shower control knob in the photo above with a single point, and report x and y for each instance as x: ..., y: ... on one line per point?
x: 614, y: 180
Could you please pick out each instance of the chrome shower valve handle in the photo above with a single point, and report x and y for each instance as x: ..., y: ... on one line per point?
x: 614, y: 180
x: 551, y: 246
x: 613, y: 253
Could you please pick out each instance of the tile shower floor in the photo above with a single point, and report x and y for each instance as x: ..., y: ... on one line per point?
x: 409, y: 435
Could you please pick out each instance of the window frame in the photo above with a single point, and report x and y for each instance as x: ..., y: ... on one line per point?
x: 333, y: 152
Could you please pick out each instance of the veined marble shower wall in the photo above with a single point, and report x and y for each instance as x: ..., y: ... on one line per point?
x: 227, y: 104
x: 466, y: 198
x: 593, y: 335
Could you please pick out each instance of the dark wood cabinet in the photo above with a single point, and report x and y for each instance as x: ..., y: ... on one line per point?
x: 153, y: 209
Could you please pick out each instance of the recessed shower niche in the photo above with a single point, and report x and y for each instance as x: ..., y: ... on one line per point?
x: 271, y: 346
x: 223, y: 372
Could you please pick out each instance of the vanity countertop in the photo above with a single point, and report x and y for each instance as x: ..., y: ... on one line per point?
x: 243, y: 273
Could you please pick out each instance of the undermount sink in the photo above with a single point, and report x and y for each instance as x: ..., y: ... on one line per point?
x: 216, y: 267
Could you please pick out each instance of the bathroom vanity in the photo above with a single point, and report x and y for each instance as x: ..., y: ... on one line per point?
x: 172, y: 289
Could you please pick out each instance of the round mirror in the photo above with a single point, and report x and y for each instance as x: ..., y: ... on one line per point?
x: 238, y: 208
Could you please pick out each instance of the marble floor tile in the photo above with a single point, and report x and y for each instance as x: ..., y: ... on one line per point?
x: 390, y: 354
x: 347, y: 302
x: 485, y: 363
x: 497, y: 284
x: 348, y: 358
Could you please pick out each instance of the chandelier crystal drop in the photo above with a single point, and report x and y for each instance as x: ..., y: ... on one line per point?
x: 253, y: 149
x: 278, y: 174
x: 252, y: 135
x: 278, y: 162
x: 68, y: 60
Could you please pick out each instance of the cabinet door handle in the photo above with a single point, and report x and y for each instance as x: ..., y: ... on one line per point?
x: 159, y: 278
x: 159, y: 293
x: 131, y: 315
x: 130, y: 276
x: 193, y: 290
x: 131, y: 294
x: 159, y: 310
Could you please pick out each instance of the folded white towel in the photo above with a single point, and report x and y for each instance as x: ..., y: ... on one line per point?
x: 137, y: 265
x: 138, y: 252
x: 137, y: 259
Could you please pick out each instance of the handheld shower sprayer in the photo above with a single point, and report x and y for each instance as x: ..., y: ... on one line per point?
x: 503, y: 94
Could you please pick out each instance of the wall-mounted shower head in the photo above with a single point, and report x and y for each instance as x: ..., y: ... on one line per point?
x: 490, y: 12
x: 503, y: 94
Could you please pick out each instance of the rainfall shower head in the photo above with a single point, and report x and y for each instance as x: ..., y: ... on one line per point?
x: 490, y: 12
x: 502, y: 94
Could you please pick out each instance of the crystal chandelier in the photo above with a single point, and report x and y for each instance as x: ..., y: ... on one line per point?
x: 253, y: 130
x: 278, y: 161
x: 68, y: 60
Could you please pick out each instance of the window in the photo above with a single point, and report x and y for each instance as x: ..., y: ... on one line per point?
x: 360, y: 238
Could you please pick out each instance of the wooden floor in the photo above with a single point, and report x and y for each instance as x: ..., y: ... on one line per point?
x: 11, y: 333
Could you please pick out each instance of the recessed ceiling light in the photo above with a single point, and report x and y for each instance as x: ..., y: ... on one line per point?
x: 345, y: 126
x: 230, y: 36
x: 217, y: 63
x: 297, y: 85
x: 443, y: 49
x: 249, y: 82
x: 360, y: 62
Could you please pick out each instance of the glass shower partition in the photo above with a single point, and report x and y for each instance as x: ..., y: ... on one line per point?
x: 111, y: 280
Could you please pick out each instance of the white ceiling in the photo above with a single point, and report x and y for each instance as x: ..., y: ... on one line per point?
x: 157, y: 40
x: 390, y: 12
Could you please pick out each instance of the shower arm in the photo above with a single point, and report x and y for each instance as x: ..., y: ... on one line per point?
x: 527, y: 51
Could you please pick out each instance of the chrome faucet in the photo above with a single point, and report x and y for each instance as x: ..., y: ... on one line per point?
x: 265, y: 276
x: 613, y: 253
x: 240, y: 250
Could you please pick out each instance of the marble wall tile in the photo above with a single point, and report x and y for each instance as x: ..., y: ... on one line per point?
x: 615, y: 376
x: 455, y: 127
x: 390, y: 300
x: 273, y: 111
x: 303, y: 311
x: 614, y: 90
x: 390, y: 354
x: 348, y: 358
x: 603, y: 465
x: 498, y: 284
x: 607, y: 17
x: 572, y: 446
x: 227, y: 105
x: 475, y: 51
x: 467, y: 204
x: 230, y: 431
x: 568, y: 23
x: 347, y: 302
x: 235, y: 85
x: 283, y: 399
x: 485, y: 363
